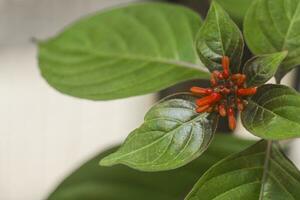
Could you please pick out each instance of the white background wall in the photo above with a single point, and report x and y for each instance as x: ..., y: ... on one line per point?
x: 44, y: 134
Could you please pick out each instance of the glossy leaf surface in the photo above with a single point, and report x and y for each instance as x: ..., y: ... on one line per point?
x: 273, y: 113
x: 272, y: 26
x: 172, y: 135
x: 219, y: 36
x: 126, y: 51
x: 260, y: 69
x: 261, y: 172
x: 91, y: 182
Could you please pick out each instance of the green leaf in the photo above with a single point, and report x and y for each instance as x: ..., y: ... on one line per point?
x: 262, y: 68
x: 236, y: 8
x: 273, y: 113
x: 272, y: 26
x: 219, y: 36
x: 260, y: 172
x: 126, y: 51
x: 91, y: 182
x: 172, y: 135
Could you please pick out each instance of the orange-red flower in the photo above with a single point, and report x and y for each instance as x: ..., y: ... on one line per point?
x: 226, y: 95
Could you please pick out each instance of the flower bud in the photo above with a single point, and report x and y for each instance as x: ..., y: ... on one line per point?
x: 231, y: 118
x: 246, y: 91
x: 225, y: 65
x: 239, y: 79
x: 203, y: 109
x: 222, y: 110
x: 201, y: 91
x: 225, y: 91
x: 209, y: 100
x: 240, y: 104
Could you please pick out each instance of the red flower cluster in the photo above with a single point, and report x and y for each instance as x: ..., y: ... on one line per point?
x: 226, y: 94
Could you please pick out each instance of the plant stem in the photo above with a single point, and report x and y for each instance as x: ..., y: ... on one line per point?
x: 266, y: 168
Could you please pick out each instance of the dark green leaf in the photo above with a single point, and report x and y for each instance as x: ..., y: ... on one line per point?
x: 273, y: 113
x: 219, y: 36
x: 272, y: 26
x: 91, y: 182
x: 260, y: 172
x: 172, y: 135
x: 262, y: 68
x: 127, y: 51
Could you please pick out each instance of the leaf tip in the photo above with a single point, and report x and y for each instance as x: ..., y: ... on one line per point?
x: 215, y: 6
x: 284, y: 53
x: 214, y: 3
x: 108, y: 161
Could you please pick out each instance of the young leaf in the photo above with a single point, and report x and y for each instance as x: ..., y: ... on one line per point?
x: 260, y: 172
x: 172, y: 135
x: 236, y: 8
x: 272, y: 26
x: 127, y: 51
x: 273, y: 113
x: 262, y: 68
x: 91, y: 182
x: 217, y: 37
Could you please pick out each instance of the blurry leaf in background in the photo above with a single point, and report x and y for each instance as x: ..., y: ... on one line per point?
x: 260, y: 172
x: 219, y: 36
x: 172, y: 135
x: 273, y: 113
x: 272, y: 26
x: 262, y: 68
x: 127, y: 51
x: 91, y: 182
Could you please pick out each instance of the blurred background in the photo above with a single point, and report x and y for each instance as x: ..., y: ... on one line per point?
x: 44, y: 135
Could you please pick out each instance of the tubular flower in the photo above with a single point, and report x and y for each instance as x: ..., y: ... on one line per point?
x: 226, y: 95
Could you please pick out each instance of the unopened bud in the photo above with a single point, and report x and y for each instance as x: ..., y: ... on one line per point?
x: 203, y: 109
x: 213, y: 80
x: 240, y: 104
x: 225, y: 65
x: 209, y: 100
x: 239, y: 79
x: 201, y: 91
x: 225, y: 90
x: 246, y: 91
x: 222, y: 110
x: 231, y: 118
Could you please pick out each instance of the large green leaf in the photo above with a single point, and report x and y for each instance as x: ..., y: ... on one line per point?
x: 91, y: 182
x: 123, y: 52
x: 261, y: 172
x: 272, y: 26
x: 260, y: 69
x: 219, y: 36
x: 273, y: 113
x: 172, y: 135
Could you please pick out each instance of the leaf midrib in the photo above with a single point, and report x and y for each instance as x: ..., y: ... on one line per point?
x: 219, y: 31
x: 149, y: 59
x: 273, y: 113
x: 167, y: 134
x: 290, y: 27
x: 265, y: 169
x: 152, y: 59
x: 235, y: 188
